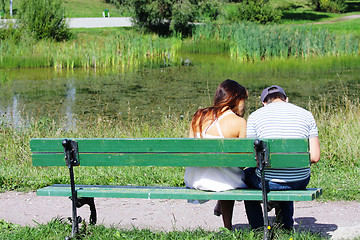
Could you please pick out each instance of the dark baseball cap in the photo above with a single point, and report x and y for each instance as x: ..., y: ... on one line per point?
x: 272, y: 89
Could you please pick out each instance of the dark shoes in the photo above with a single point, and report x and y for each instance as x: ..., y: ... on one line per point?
x: 217, y: 209
x: 272, y: 205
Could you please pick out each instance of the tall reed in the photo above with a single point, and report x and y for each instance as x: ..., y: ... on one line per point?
x: 252, y: 42
x: 120, y: 51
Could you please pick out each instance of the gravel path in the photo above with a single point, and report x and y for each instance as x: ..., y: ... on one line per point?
x: 337, y: 220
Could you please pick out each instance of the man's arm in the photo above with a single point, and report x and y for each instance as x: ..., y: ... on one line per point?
x: 314, y: 144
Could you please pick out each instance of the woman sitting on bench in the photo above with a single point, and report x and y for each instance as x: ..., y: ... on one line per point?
x: 222, y: 120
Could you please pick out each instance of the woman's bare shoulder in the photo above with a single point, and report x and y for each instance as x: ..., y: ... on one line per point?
x: 234, y: 118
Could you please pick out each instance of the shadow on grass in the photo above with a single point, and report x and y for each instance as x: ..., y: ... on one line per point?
x: 304, y: 16
x: 353, y: 7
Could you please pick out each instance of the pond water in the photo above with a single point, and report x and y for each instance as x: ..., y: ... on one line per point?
x: 147, y: 93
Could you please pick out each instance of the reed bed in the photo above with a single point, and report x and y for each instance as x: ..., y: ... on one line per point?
x: 123, y: 52
x: 251, y: 42
x: 338, y: 131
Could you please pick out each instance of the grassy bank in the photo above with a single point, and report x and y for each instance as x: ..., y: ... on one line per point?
x: 338, y: 128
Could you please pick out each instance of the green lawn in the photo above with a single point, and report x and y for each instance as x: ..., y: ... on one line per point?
x: 91, y: 8
x: 295, y: 11
x: 82, y: 8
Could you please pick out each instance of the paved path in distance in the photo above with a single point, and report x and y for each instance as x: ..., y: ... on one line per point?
x: 99, y: 22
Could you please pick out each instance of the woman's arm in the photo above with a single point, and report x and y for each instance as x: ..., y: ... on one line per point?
x: 191, y: 132
x: 242, y: 132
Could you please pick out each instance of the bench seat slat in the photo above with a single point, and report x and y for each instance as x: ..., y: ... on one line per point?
x: 63, y: 190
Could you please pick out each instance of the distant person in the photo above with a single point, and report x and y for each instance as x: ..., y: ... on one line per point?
x: 280, y: 119
x: 222, y: 120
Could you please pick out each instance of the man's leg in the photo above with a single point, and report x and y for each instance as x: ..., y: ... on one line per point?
x: 285, y: 210
x: 284, y: 214
x: 254, y: 214
x: 253, y: 208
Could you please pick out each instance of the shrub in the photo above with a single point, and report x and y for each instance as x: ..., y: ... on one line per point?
x: 8, y: 31
x: 43, y: 19
x: 182, y: 14
x: 210, y: 9
x: 2, y: 5
x: 258, y: 11
x: 335, y: 6
x: 164, y: 16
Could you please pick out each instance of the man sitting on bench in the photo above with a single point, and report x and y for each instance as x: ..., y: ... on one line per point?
x: 280, y: 119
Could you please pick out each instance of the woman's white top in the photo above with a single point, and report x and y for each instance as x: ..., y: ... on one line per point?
x: 214, y: 178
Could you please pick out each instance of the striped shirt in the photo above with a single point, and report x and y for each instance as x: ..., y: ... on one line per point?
x: 282, y: 120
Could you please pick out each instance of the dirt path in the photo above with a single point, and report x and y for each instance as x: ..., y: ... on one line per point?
x: 338, y: 220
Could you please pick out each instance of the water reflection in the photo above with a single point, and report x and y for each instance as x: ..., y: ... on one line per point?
x: 72, y: 96
x: 70, y: 104
x: 11, y: 113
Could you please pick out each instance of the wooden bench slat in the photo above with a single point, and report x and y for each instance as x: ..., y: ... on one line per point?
x: 146, y: 145
x: 62, y: 190
x: 157, y: 145
x: 289, y: 160
x: 173, y: 160
x: 133, y: 159
x: 288, y: 145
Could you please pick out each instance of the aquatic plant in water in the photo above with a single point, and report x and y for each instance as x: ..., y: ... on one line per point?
x: 123, y: 52
x: 251, y: 42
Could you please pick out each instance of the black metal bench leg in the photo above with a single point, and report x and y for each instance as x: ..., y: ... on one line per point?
x: 71, y: 160
x: 75, y: 219
x: 89, y: 201
x: 262, y: 158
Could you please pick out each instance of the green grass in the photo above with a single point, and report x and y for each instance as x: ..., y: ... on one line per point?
x: 339, y: 161
x: 345, y: 27
x: 81, y: 8
x: 340, y: 144
x: 59, y: 229
x: 300, y: 12
x: 91, y: 8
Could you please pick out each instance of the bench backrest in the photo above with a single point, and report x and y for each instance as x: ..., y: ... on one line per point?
x: 176, y: 152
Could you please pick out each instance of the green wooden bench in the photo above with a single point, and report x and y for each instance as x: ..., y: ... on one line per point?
x: 176, y: 152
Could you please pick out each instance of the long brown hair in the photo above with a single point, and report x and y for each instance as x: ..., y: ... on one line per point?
x: 227, y: 96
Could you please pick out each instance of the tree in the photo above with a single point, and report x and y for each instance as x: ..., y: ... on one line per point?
x: 335, y: 6
x: 2, y: 5
x: 164, y: 16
